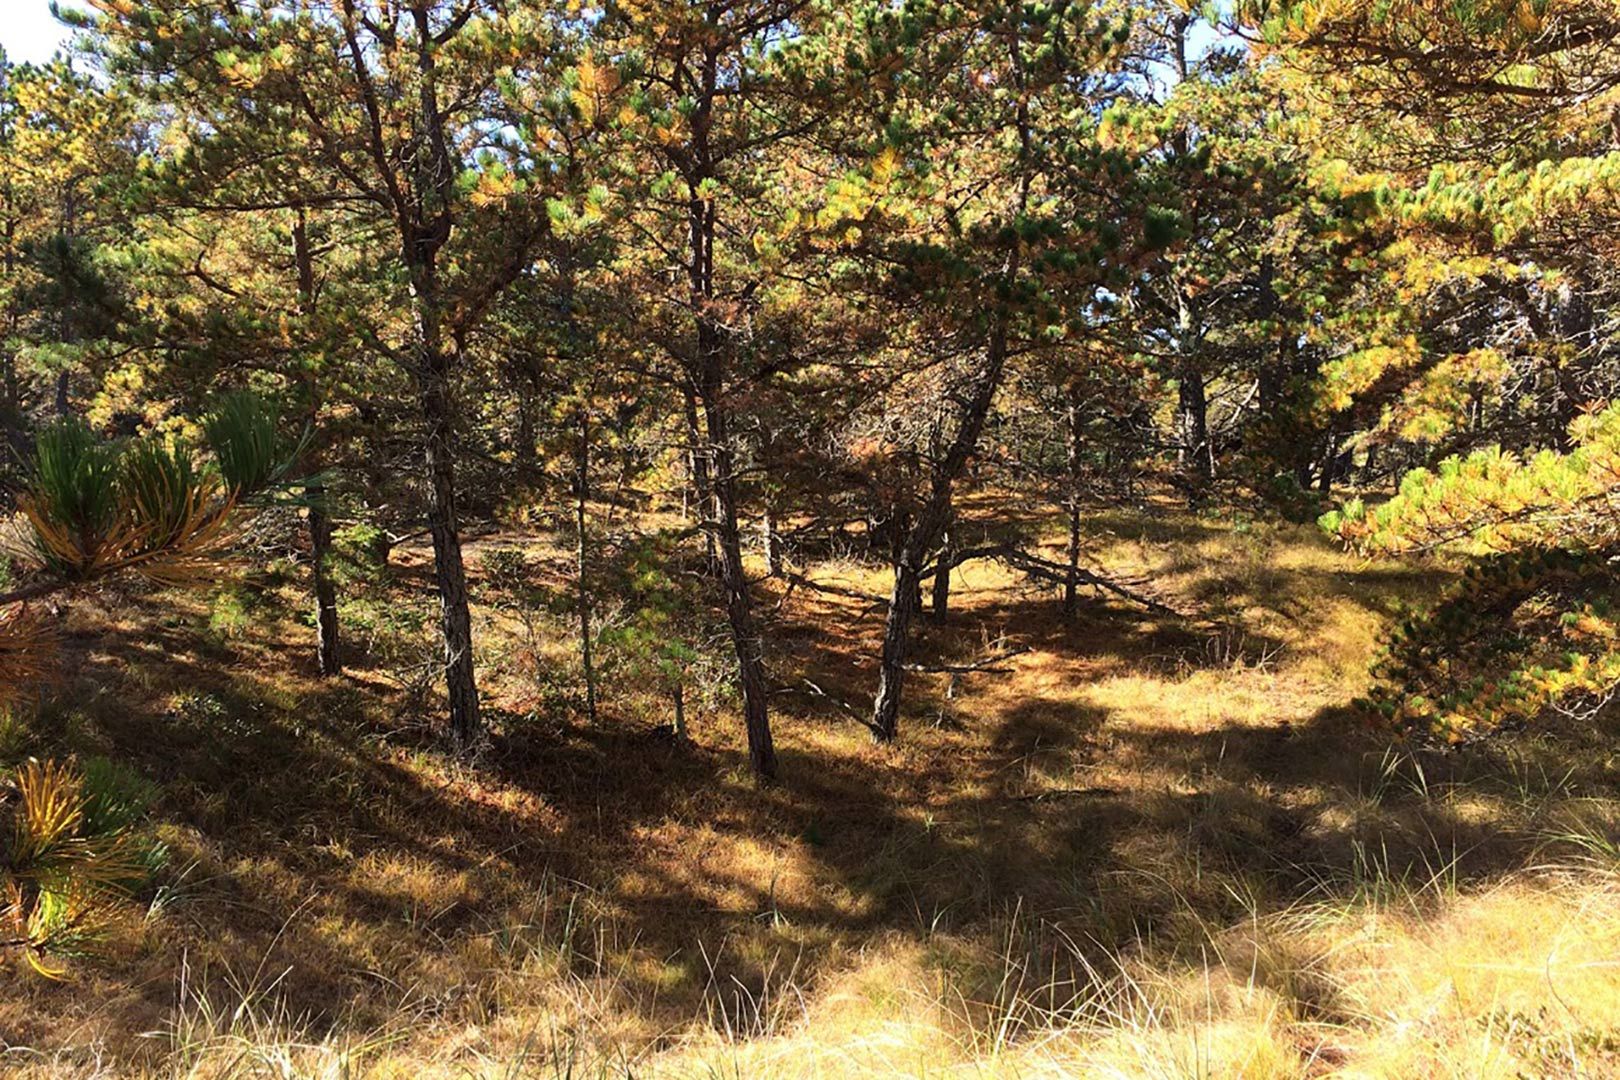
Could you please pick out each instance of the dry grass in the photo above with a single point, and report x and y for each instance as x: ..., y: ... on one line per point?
x: 1154, y: 848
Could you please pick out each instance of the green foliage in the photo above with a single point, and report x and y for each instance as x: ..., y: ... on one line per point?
x: 243, y: 434
x: 1520, y: 637
x: 361, y: 553
x: 70, y: 857
x: 75, y: 478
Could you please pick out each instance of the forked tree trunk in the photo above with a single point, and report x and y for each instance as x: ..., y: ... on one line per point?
x: 930, y: 522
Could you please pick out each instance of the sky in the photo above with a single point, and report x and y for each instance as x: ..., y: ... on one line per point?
x: 27, y: 30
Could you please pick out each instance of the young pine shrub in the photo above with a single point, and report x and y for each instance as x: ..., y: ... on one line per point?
x: 93, y: 509
x: 71, y: 857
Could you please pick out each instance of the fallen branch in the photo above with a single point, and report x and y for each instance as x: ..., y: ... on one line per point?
x: 836, y: 590
x: 986, y: 664
x: 815, y: 691
x: 1056, y: 573
x: 1066, y: 793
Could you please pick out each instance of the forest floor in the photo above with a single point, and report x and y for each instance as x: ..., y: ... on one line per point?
x: 1141, y: 846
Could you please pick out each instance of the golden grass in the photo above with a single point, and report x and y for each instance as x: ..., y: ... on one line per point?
x: 1152, y: 848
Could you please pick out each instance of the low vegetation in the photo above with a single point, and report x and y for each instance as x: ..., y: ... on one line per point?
x: 1137, y: 846
x: 810, y: 538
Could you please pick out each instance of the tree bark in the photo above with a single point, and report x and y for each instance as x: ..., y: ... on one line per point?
x: 1192, y: 434
x: 698, y: 470
x: 706, y: 370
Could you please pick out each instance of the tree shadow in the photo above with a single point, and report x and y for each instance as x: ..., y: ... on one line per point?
x: 318, y: 839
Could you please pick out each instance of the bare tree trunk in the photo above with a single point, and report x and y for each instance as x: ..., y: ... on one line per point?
x: 582, y: 489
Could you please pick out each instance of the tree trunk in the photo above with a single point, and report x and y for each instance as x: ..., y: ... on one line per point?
x: 770, y: 543
x: 1330, y: 466
x: 1192, y: 435
x: 942, y: 574
x: 1194, y: 453
x: 1271, y: 373
x: 678, y: 692
x: 450, y: 575
x: 702, y: 489
x: 524, y: 452
x: 924, y: 535
x: 582, y: 489
x: 328, y: 657
x: 1071, y: 583
x: 745, y: 636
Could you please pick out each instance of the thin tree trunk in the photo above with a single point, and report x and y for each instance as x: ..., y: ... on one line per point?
x: 524, y: 452
x: 702, y: 489
x: 942, y: 574
x: 1071, y: 583
x: 450, y: 575
x: 1192, y: 423
x: 739, y: 604
x: 935, y: 514
x: 1272, y: 365
x: 770, y: 543
x: 706, y: 372
x: 582, y: 489
x: 327, y: 652
x: 1330, y: 466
